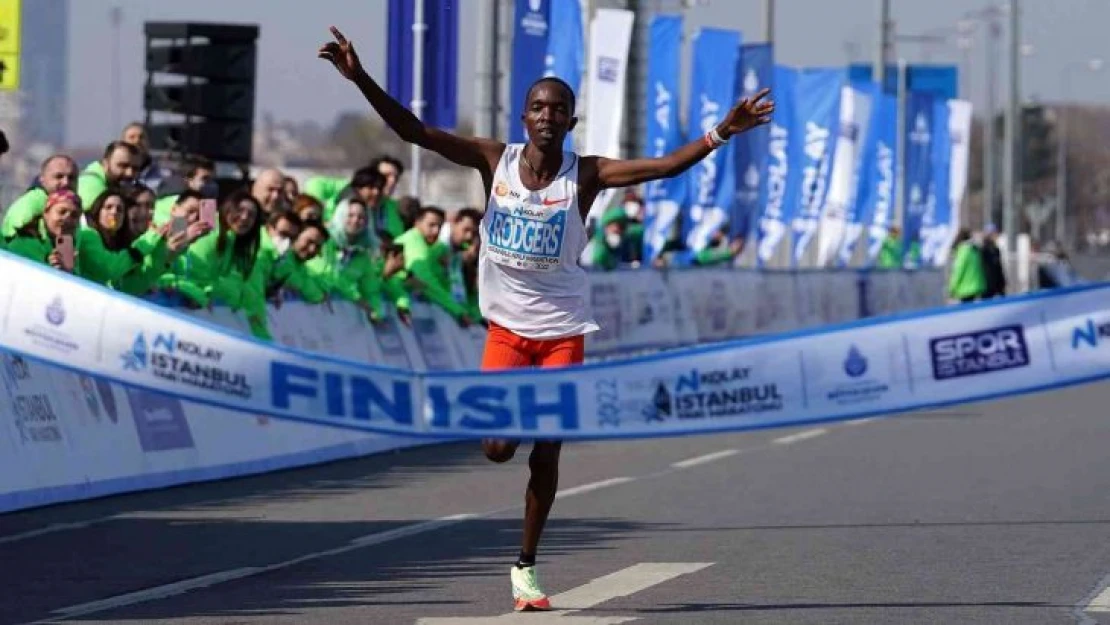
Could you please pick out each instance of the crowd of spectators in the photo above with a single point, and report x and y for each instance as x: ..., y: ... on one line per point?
x: 177, y: 240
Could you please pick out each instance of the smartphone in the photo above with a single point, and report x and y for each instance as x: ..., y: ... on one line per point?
x: 179, y: 225
x: 64, y: 247
x: 208, y: 212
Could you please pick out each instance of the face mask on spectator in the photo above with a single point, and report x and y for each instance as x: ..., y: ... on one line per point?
x: 281, y: 244
x: 632, y: 209
x: 613, y: 239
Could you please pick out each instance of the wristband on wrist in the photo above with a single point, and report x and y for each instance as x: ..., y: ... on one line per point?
x: 716, y: 137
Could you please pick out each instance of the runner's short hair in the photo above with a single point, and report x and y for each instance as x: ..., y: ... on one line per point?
x: 558, y: 81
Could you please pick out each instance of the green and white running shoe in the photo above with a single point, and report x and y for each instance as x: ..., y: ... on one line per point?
x: 527, y: 595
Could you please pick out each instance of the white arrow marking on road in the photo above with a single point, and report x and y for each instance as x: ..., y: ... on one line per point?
x: 620, y: 584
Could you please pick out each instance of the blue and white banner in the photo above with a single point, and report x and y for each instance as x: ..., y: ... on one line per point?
x: 816, y: 121
x: 865, y: 94
x: 565, y: 46
x: 663, y: 199
x: 610, y: 39
x: 783, y: 170
x: 919, y: 170
x: 878, y: 366
x: 959, y: 139
x: 712, y: 181
x: 936, y: 221
x: 839, y: 211
x: 531, y: 29
x: 756, y: 70
x: 879, y: 176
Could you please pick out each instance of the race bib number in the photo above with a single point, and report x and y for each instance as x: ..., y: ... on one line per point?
x: 529, y: 238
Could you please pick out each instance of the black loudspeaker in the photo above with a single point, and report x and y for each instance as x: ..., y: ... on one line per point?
x: 199, y: 94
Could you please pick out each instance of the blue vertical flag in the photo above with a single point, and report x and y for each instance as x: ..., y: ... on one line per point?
x: 879, y: 175
x: 919, y: 170
x: 783, y: 171
x: 531, y: 21
x: 564, y: 48
x: 756, y: 69
x: 712, y: 89
x: 441, y: 53
x: 663, y: 199
x: 816, y: 121
x: 935, y: 223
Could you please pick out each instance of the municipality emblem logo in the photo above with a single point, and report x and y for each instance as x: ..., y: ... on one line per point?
x: 535, y: 5
x: 135, y: 358
x: 855, y: 365
x: 751, y: 82
x: 920, y: 132
x: 56, y: 312
x: 751, y: 177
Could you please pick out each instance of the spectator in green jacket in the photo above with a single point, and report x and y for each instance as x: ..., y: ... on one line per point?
x: 57, y: 172
x: 290, y: 189
x: 291, y: 272
x: 455, y: 254
x: 392, y: 169
x: 143, y: 280
x: 609, y: 243
x: 197, y: 173
x: 267, y: 189
x: 108, y: 216
x: 891, y: 252
x: 349, y: 262
x: 41, y: 239
x: 426, y: 268
x: 966, y: 282
x: 720, y: 250
x: 118, y: 168
x: 219, y: 268
x: 368, y: 185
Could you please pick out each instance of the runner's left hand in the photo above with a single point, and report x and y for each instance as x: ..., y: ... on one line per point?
x: 747, y: 114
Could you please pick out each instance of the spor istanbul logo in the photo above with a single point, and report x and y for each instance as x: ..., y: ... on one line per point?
x: 185, y: 362
x: 859, y: 388
x: 977, y: 353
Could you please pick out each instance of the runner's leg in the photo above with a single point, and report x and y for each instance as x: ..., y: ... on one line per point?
x: 543, y: 463
x: 504, y: 350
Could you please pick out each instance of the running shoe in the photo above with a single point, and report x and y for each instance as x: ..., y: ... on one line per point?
x: 527, y: 595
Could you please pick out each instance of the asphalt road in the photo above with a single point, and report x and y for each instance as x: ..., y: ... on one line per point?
x: 991, y: 513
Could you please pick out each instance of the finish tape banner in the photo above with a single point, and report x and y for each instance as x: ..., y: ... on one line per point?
x: 877, y: 366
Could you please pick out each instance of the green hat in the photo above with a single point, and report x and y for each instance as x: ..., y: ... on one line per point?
x: 613, y: 215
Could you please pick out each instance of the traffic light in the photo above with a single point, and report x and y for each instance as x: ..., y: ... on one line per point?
x: 200, y: 85
x: 1038, y: 144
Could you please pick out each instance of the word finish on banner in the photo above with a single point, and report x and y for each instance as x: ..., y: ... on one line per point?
x: 876, y: 366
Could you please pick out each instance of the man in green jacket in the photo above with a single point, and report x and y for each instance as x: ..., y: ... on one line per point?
x: 891, y: 253
x: 967, y: 281
x: 368, y: 184
x: 422, y: 265
x: 459, y: 249
x: 197, y: 174
x: 118, y: 168
x: 57, y: 172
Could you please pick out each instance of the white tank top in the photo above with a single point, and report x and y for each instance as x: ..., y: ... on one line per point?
x: 529, y: 279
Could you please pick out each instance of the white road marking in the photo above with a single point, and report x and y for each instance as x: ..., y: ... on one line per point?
x: 620, y: 584
x: 695, y: 461
x: 862, y: 421
x: 800, y: 436
x: 592, y: 486
x: 50, y: 529
x: 220, y: 577
x: 1097, y: 601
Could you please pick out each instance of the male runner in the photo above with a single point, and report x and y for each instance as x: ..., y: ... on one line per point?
x: 531, y: 288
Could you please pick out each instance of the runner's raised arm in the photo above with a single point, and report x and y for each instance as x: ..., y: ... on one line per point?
x: 474, y: 152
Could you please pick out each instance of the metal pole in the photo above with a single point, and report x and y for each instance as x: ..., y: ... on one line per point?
x: 769, y: 21
x: 483, y: 93
x: 418, y: 29
x: 882, y: 55
x: 900, y: 151
x: 1062, y: 165
x: 495, y: 69
x: 989, y: 141
x: 1010, y: 166
x: 115, y: 14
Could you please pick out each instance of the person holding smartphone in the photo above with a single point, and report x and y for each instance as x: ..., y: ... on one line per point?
x: 57, y: 239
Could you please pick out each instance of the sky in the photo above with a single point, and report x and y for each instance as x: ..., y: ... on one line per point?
x: 293, y: 85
